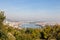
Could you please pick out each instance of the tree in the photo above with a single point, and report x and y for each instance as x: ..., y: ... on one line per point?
x: 3, y: 35
x: 2, y: 16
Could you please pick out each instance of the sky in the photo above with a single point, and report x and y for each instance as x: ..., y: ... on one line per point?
x: 31, y: 9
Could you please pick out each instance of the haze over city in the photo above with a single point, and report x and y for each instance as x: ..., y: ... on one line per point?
x: 29, y: 19
x: 32, y: 10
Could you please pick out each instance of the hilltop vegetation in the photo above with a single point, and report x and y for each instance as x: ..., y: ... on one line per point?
x: 10, y: 33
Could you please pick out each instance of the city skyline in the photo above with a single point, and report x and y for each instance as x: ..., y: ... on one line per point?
x: 31, y: 9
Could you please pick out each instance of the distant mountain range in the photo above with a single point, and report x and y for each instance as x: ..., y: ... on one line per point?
x: 17, y: 20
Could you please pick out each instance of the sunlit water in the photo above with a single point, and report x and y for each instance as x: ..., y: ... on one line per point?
x: 30, y: 25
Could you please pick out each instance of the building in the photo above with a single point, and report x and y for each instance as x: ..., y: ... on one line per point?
x: 12, y: 24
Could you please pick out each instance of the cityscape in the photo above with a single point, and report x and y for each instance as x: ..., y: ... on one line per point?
x: 19, y: 23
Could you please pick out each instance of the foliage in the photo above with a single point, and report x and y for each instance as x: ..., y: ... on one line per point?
x: 10, y: 33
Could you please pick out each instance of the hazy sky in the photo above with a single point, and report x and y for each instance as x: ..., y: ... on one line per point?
x: 31, y: 9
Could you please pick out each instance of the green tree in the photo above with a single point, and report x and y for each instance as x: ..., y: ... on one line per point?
x: 2, y: 16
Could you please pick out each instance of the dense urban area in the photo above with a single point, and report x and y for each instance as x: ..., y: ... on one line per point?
x: 48, y: 32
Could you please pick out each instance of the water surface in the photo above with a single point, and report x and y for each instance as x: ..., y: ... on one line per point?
x: 30, y: 25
